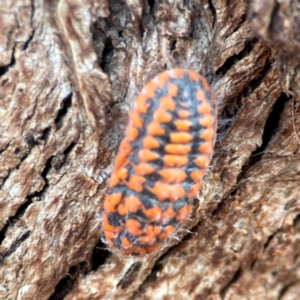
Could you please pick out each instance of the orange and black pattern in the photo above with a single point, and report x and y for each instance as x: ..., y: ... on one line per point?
x: 161, y: 162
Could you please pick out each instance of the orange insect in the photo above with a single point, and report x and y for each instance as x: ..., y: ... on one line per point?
x: 162, y: 159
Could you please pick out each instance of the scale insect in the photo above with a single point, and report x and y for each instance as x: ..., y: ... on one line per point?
x: 161, y: 162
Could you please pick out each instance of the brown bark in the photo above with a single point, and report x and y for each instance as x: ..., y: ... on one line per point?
x: 69, y: 70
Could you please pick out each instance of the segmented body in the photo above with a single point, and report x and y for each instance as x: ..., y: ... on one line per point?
x: 161, y: 162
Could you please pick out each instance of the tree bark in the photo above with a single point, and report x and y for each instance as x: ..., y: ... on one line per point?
x: 69, y: 70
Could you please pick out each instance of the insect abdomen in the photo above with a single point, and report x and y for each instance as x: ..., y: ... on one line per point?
x: 161, y: 162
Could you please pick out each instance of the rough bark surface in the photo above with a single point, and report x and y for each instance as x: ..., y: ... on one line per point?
x: 69, y: 70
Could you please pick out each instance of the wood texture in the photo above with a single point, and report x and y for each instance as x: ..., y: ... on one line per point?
x: 69, y: 70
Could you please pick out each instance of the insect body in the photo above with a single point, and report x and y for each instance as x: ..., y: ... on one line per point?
x: 161, y: 162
